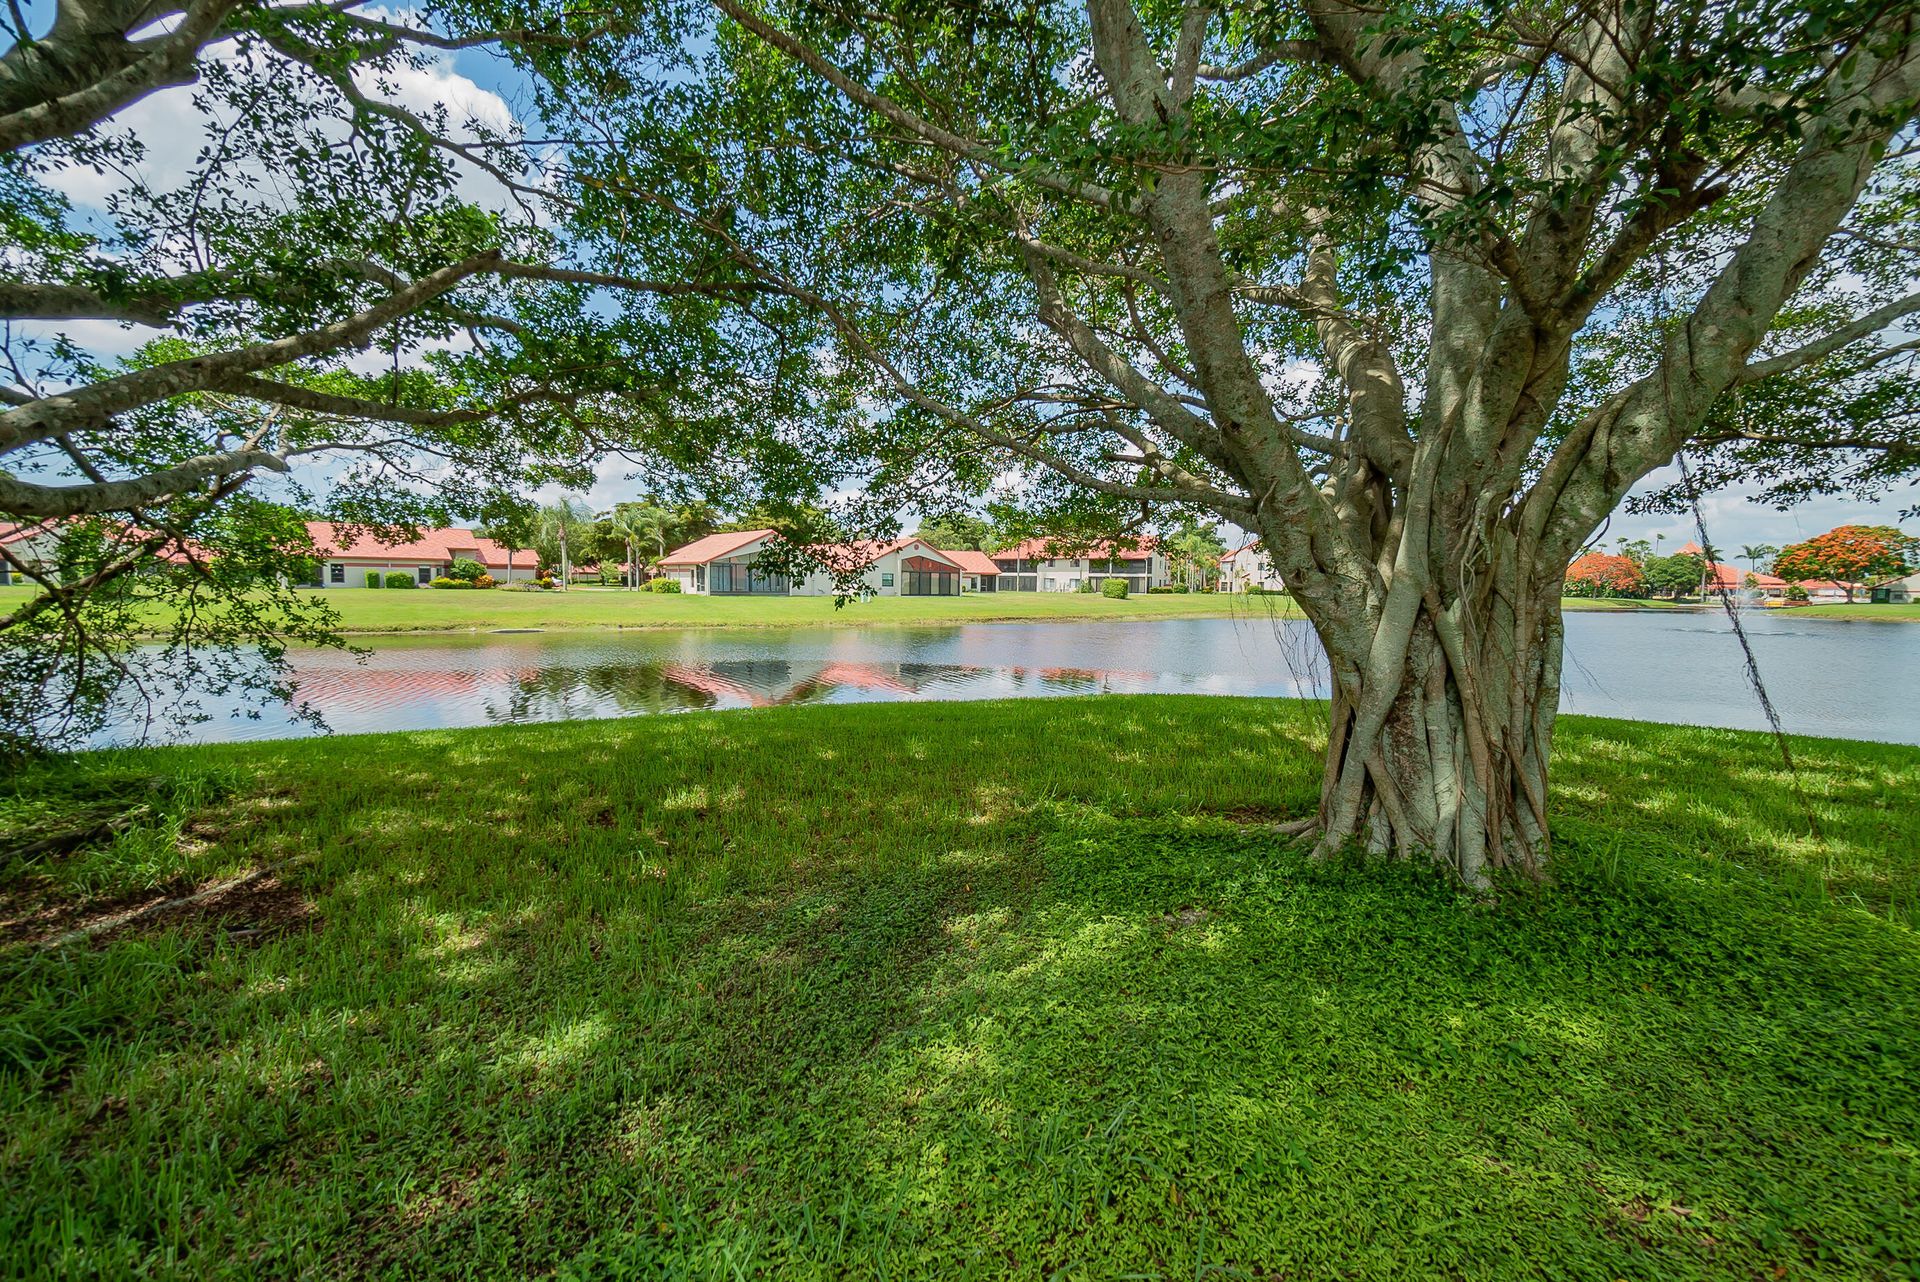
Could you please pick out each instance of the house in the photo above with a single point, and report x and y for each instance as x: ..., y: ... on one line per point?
x: 1829, y: 591
x: 33, y: 546
x: 1038, y: 565
x: 726, y: 565
x: 345, y: 563
x: 1901, y: 591
x: 1249, y: 566
x: 1725, y: 580
x: 978, y: 573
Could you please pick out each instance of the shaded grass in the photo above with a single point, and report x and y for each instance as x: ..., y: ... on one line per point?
x: 980, y: 990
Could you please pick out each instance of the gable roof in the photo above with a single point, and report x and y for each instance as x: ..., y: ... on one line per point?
x: 444, y: 544
x: 1098, y: 550
x: 973, y: 562
x: 713, y: 546
x: 1732, y: 576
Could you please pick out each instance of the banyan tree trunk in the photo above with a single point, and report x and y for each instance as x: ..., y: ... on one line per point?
x: 1443, y: 754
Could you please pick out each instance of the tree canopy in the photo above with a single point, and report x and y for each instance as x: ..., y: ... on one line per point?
x: 1852, y: 554
x: 1416, y: 294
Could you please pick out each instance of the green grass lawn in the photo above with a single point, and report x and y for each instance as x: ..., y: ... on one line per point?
x: 958, y: 990
x: 424, y: 610
x: 1887, y: 613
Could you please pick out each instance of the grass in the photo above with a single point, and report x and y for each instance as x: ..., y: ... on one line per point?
x: 962, y: 990
x: 427, y: 610
x: 1909, y: 611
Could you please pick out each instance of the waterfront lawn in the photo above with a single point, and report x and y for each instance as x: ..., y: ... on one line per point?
x: 431, y: 610
x: 1909, y: 612
x: 996, y: 989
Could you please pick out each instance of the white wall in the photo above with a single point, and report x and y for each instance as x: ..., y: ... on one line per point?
x: 356, y: 571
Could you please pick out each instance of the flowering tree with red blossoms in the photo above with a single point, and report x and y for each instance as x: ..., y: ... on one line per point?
x: 1851, y: 554
x: 1602, y: 574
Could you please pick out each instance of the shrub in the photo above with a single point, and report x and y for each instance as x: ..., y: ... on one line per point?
x: 1160, y: 587
x: 1181, y: 587
x: 1796, y: 594
x: 484, y: 581
x: 1115, y: 589
x: 1254, y: 589
x: 1086, y: 585
x: 545, y: 581
x: 663, y: 584
x: 466, y: 569
x: 373, y: 578
x: 399, y: 579
x: 444, y: 582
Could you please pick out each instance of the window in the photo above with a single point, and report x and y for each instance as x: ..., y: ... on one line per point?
x: 736, y: 577
x: 336, y: 573
x: 886, y: 580
x: 928, y: 583
x: 426, y: 574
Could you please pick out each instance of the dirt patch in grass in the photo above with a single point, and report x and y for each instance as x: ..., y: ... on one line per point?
x: 249, y: 908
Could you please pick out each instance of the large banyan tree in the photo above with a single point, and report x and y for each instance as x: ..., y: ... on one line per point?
x: 1417, y: 292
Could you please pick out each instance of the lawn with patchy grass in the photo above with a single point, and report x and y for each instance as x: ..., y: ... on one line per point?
x: 956, y: 990
x: 430, y: 610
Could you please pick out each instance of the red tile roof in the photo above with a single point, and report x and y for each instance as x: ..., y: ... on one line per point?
x: 1100, y: 550
x: 973, y: 562
x: 432, y: 545
x: 713, y: 547
x: 1720, y: 575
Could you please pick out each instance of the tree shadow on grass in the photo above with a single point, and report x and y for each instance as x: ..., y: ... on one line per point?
x: 960, y: 990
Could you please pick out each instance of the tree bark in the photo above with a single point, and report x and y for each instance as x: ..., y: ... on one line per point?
x: 1440, y: 736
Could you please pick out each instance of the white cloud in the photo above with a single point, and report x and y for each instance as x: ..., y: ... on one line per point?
x: 172, y: 131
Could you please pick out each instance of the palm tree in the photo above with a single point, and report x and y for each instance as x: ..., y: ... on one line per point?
x: 556, y: 521
x: 1755, y: 553
x: 638, y: 524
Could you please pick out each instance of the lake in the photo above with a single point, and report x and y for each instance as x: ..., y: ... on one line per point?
x: 1849, y: 679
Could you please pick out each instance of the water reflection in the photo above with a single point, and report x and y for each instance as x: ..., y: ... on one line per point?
x: 1846, y: 679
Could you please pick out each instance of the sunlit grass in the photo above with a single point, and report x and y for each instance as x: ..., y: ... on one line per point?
x: 1889, y: 612
x: 978, y: 990
x: 426, y: 609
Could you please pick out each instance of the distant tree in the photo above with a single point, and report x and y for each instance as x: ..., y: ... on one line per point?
x: 1193, y: 554
x: 562, y: 523
x: 1598, y: 574
x: 957, y: 531
x: 797, y: 522
x: 513, y: 528
x: 1635, y: 550
x: 1681, y: 572
x: 641, y: 533
x: 1755, y: 553
x: 1851, y: 554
